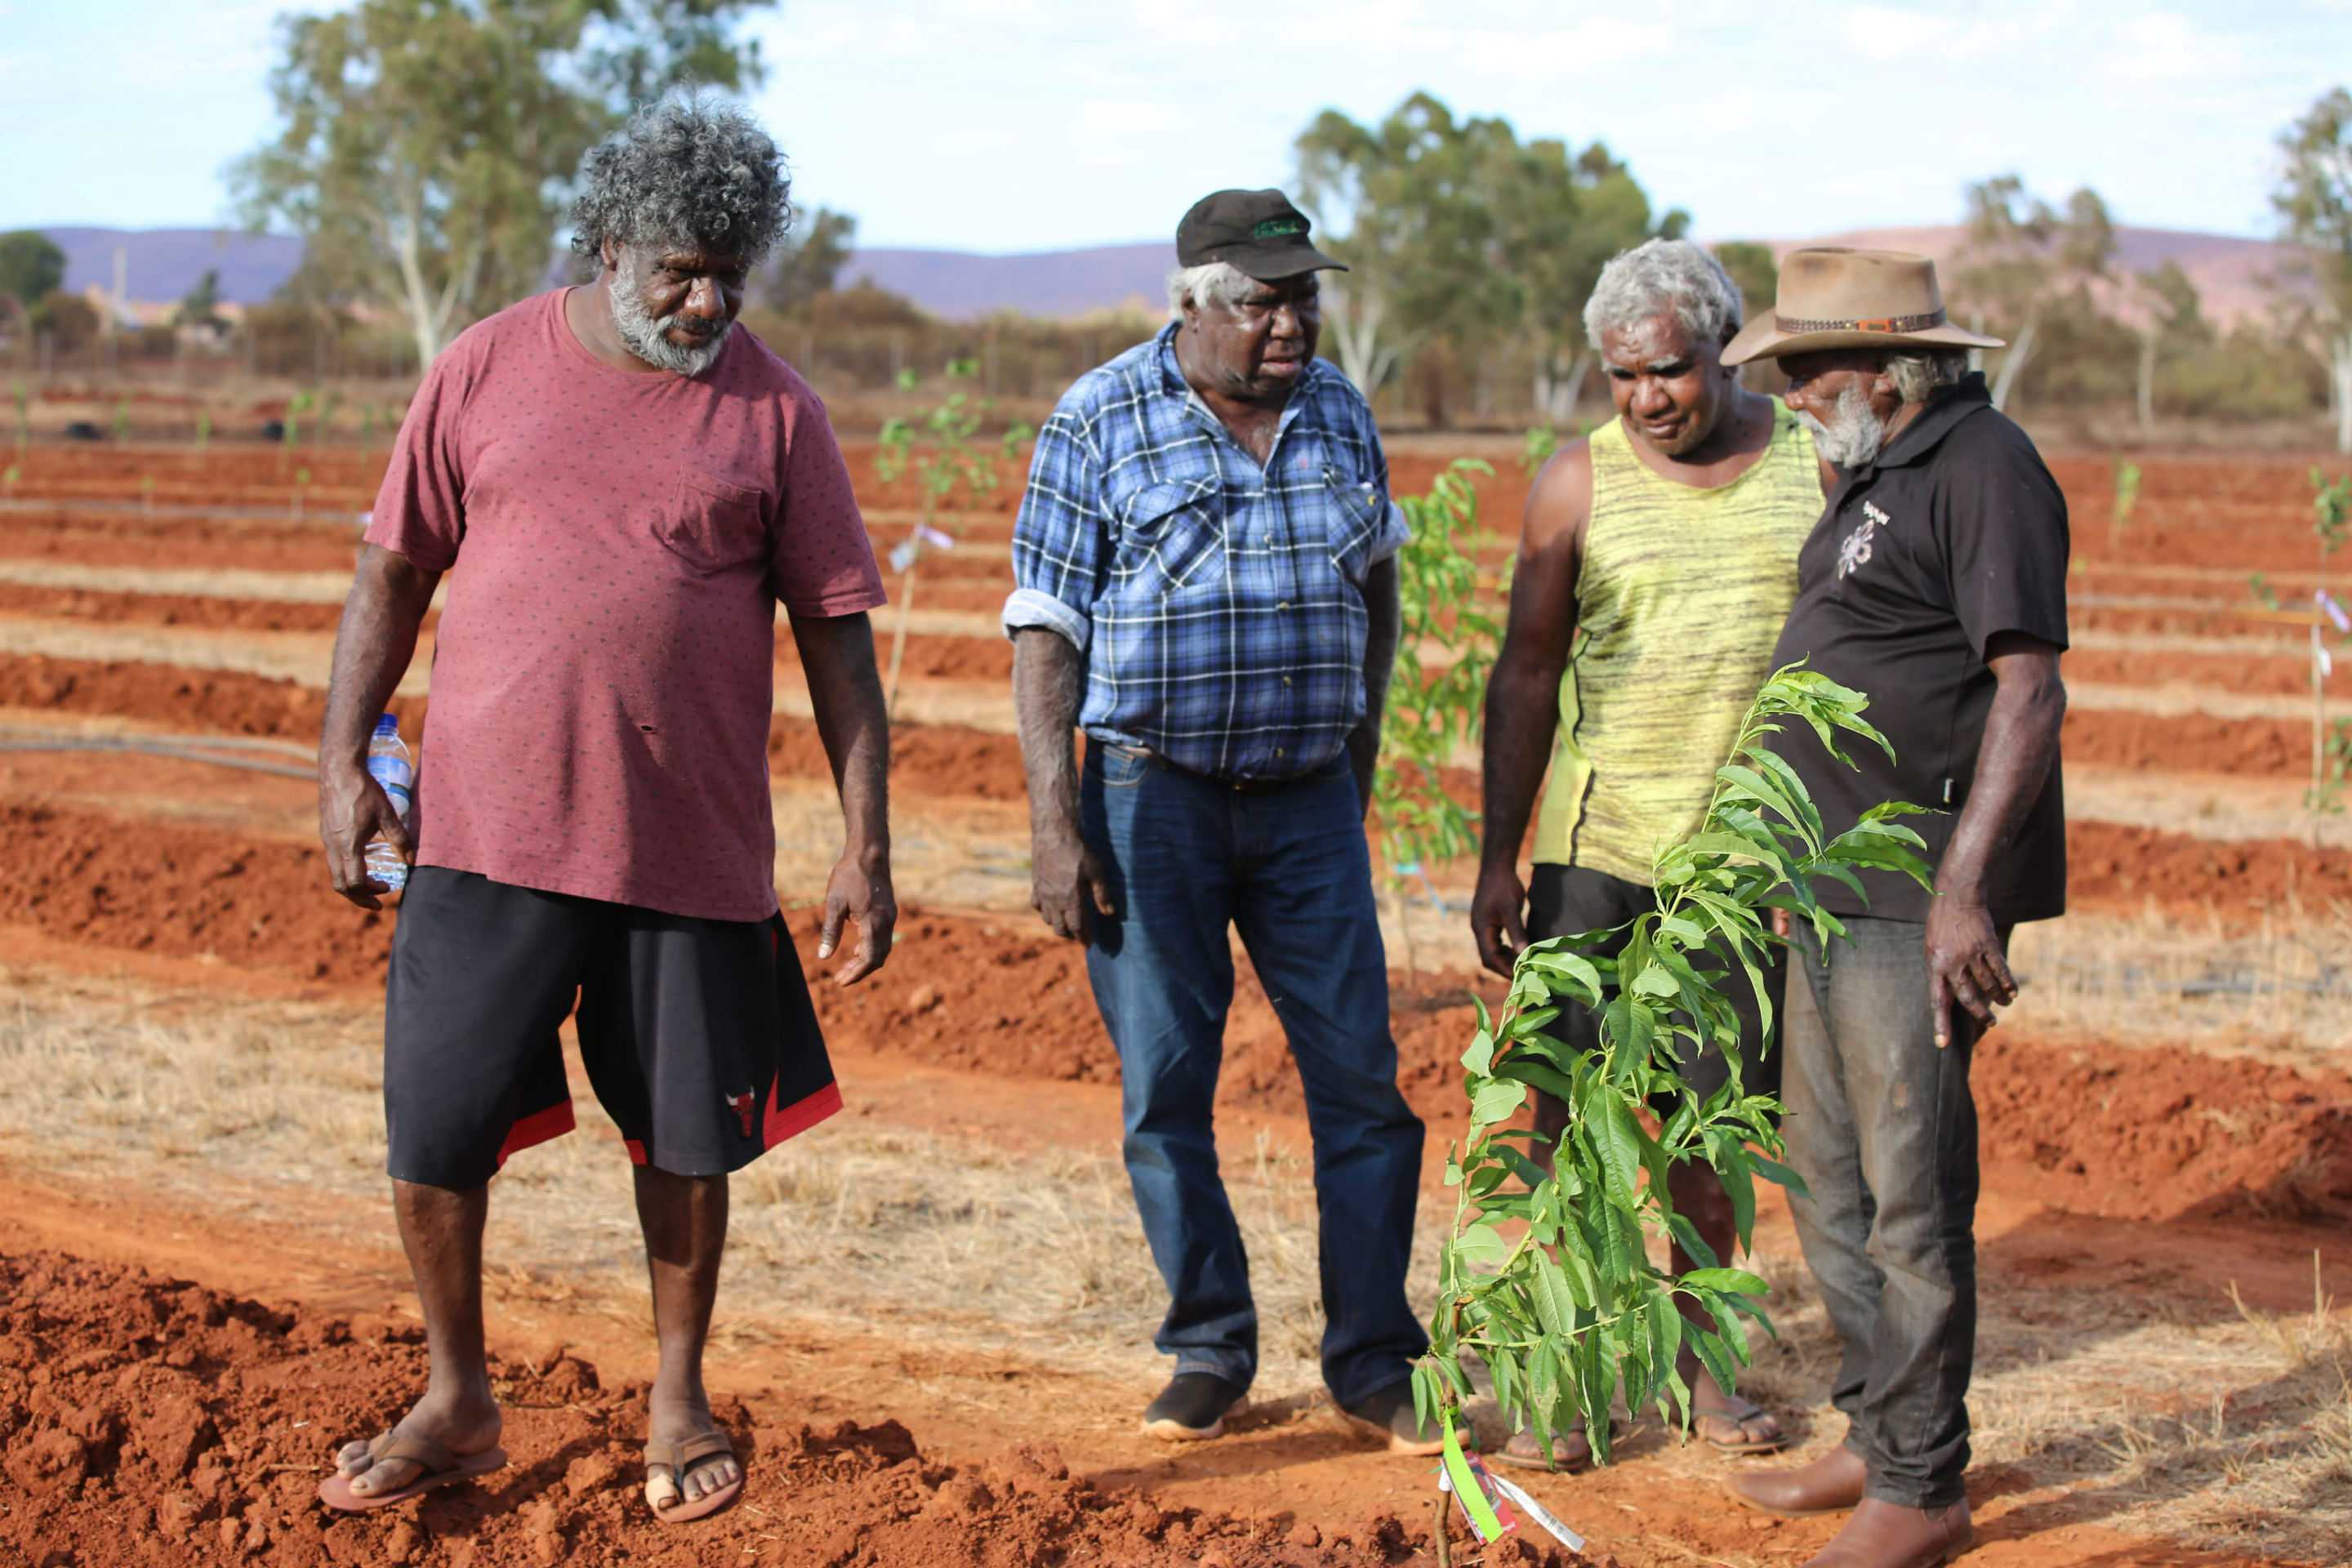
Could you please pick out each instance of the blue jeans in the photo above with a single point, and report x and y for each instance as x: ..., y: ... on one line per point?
x: 1188, y: 858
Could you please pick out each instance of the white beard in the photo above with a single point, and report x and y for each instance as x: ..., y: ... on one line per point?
x: 1854, y: 434
x: 643, y: 332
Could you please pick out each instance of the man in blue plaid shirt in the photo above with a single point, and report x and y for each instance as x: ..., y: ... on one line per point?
x: 1205, y: 561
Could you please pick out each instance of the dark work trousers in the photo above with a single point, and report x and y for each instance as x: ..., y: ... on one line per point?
x: 1188, y: 860
x: 1883, y: 1128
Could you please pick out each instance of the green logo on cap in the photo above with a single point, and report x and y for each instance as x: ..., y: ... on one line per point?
x: 1275, y: 228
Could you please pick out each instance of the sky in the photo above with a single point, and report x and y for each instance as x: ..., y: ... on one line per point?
x: 1014, y: 125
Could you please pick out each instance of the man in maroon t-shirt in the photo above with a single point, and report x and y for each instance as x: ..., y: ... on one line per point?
x: 622, y: 485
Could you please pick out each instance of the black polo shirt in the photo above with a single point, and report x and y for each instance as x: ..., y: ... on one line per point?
x: 1955, y: 535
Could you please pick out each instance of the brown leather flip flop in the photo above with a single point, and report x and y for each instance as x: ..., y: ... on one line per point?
x: 679, y: 1458
x: 439, y: 1468
x: 1736, y: 1418
x: 1533, y: 1460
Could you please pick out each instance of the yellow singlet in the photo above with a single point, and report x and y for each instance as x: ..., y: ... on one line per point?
x: 1681, y: 597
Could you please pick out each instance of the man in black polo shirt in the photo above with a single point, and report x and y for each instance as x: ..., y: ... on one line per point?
x: 1936, y: 582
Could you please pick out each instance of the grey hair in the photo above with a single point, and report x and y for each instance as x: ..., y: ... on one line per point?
x: 687, y: 170
x: 1657, y: 274
x: 1212, y: 282
x: 1917, y: 375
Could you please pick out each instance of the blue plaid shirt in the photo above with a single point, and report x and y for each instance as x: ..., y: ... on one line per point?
x: 1218, y: 605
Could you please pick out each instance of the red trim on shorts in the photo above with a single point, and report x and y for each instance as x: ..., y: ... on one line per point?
x: 785, y: 1121
x: 636, y: 1150
x: 537, y: 1128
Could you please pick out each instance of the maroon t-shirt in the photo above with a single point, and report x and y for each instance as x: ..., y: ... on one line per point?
x: 604, y: 670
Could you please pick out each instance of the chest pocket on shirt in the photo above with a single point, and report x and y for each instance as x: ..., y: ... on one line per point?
x: 1171, y: 538
x: 712, y: 525
x: 1355, y: 516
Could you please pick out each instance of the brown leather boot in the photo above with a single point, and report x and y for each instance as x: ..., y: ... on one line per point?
x: 1888, y: 1535
x: 1831, y: 1484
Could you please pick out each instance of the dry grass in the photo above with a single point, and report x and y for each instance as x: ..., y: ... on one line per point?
x: 2137, y: 1410
x: 1038, y: 1254
x: 2281, y: 989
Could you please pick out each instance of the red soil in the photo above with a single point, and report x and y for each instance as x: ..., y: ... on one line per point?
x: 222, y: 702
x: 185, y: 542
x: 181, y: 891
x: 2106, y: 863
x: 171, y: 609
x: 2161, y: 1133
x: 148, y: 1420
x: 2286, y: 673
x: 1001, y: 998
x: 2174, y: 742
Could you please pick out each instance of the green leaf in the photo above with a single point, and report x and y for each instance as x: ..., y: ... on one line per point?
x: 1731, y: 1164
x: 1737, y: 1281
x: 1478, y: 1059
x: 1709, y: 1346
x: 1555, y: 1301
x: 1773, y: 1171
x: 1552, y: 1081
x: 1480, y: 1245
x: 1495, y: 1099
x: 1657, y: 980
x: 1614, y: 1139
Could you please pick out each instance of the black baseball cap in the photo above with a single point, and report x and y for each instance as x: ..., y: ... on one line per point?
x: 1257, y: 231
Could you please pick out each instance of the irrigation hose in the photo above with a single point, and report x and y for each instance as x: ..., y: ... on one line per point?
x: 181, y: 752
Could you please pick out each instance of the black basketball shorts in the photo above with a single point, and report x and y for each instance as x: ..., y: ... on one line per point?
x: 1565, y: 899
x: 697, y: 1035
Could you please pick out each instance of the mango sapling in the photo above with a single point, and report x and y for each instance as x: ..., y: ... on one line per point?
x: 1545, y: 1275
x: 939, y: 449
x: 1433, y: 711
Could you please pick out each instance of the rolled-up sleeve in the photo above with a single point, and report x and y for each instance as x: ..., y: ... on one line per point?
x: 1395, y: 526
x: 1058, y: 540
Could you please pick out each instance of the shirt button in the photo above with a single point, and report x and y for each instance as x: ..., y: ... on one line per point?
x: 1283, y: 605
x: 1277, y: 751
x: 1285, y: 680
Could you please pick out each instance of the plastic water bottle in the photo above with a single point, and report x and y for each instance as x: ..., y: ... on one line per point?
x: 388, y: 763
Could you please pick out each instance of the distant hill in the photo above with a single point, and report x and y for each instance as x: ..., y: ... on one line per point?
x: 166, y: 263
x: 959, y: 284
x: 2228, y: 271
x: 163, y: 264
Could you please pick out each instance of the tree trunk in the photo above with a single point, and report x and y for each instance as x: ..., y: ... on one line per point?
x: 2013, y: 363
x: 2148, y: 382
x: 2344, y: 392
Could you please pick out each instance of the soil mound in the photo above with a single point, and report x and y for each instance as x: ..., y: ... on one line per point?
x: 2158, y: 1133
x: 180, y: 891
x: 2109, y: 863
x: 151, y: 1421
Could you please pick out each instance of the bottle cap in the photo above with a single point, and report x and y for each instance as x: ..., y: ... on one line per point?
x: 388, y: 725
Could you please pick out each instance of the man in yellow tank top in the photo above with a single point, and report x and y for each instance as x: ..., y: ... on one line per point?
x: 1657, y: 562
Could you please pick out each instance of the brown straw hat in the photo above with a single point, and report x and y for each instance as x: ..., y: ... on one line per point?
x: 1833, y: 297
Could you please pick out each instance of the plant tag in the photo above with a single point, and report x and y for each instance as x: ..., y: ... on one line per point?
x: 903, y: 556
x: 2326, y: 662
x: 1458, y: 1479
x: 933, y: 537
x: 2326, y: 601
x: 1536, y: 1511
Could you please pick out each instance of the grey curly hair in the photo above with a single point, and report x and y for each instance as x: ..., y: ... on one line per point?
x: 1663, y: 274
x: 687, y: 170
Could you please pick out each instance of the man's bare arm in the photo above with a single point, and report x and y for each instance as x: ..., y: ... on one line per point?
x: 1385, y: 613
x: 1048, y: 680
x: 376, y: 639
x: 845, y: 690
x: 1965, y: 963
x: 1522, y: 695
